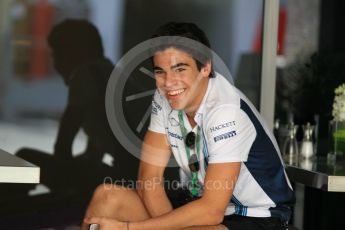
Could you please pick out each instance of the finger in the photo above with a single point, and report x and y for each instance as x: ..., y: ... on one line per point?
x: 85, y: 226
x: 94, y: 227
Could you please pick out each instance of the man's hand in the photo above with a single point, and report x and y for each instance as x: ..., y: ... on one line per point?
x: 106, y: 223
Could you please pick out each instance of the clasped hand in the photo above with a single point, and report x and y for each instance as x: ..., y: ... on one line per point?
x: 106, y: 223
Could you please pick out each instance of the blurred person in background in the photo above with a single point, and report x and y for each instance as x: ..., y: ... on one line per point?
x: 78, y: 56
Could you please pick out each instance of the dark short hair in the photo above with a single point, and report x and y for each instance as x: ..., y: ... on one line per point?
x: 175, y: 30
x: 76, y: 36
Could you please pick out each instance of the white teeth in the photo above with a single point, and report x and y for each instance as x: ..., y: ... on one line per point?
x: 175, y: 92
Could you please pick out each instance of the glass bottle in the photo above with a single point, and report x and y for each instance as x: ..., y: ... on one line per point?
x: 290, y: 149
x: 276, y: 131
x: 307, y: 148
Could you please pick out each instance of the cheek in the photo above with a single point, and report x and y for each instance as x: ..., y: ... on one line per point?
x: 159, y: 82
x: 188, y: 82
x: 160, y: 87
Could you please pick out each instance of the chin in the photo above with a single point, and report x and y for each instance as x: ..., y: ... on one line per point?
x: 176, y: 106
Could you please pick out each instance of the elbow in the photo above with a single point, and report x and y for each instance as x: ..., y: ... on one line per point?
x: 216, y: 216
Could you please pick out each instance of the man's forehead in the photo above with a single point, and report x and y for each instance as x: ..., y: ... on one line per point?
x: 172, y: 49
x: 173, y: 55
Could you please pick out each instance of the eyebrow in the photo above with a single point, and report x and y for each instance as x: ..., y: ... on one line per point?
x: 172, y: 67
x: 157, y: 68
x: 179, y: 65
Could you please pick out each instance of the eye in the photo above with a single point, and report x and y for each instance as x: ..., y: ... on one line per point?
x: 158, y: 72
x: 180, y: 69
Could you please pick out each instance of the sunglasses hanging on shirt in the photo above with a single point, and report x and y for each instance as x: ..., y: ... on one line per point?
x: 193, y: 161
x: 191, y: 141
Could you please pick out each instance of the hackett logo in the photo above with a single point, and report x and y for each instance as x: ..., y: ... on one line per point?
x: 222, y: 126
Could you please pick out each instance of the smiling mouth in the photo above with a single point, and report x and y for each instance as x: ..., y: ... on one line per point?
x: 175, y: 92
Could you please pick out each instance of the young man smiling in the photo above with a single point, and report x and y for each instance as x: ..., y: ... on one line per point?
x: 180, y: 81
x: 227, y: 157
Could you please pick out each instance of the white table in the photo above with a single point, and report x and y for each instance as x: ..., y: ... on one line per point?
x: 16, y: 170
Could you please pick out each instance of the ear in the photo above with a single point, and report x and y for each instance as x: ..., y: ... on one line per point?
x: 206, y: 70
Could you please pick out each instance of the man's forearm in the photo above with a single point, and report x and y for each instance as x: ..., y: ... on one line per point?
x: 185, y: 216
x: 156, y: 200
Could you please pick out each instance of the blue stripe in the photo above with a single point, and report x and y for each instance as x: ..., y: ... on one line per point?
x: 205, y: 150
x: 265, y: 165
x: 240, y: 209
x: 236, y: 209
x: 236, y: 201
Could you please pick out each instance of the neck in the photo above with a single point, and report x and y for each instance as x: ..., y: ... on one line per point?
x: 190, y: 117
x: 190, y: 114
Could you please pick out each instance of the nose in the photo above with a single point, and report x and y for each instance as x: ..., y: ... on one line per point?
x: 170, y: 79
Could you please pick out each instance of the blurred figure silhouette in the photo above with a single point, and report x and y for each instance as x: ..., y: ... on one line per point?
x: 78, y: 57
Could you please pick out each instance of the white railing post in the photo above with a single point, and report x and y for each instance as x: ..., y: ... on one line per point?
x: 269, y: 54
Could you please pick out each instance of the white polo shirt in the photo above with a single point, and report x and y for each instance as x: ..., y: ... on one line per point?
x: 231, y: 131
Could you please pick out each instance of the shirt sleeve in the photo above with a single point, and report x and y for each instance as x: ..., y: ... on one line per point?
x: 157, y: 122
x: 229, y: 134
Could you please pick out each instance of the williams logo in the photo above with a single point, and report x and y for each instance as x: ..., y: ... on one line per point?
x: 175, y: 135
x: 155, y: 108
x: 224, y: 136
x: 156, y: 105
